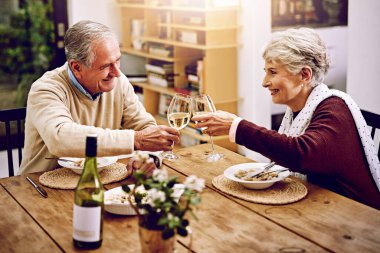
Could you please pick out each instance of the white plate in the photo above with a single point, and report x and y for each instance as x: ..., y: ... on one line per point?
x: 75, y: 165
x: 230, y: 174
x: 113, y: 204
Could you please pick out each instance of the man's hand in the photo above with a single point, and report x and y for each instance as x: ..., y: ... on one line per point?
x: 146, y: 166
x: 215, y: 123
x: 156, y: 138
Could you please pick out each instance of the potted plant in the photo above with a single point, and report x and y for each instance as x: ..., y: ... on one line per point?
x: 162, y: 214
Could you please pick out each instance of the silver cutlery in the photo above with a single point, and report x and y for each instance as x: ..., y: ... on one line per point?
x: 38, y: 188
x: 254, y: 173
x: 261, y: 174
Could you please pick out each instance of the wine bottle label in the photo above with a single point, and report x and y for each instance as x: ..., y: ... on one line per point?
x: 86, y: 223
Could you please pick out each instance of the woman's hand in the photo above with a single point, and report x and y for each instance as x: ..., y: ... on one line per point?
x: 216, y: 123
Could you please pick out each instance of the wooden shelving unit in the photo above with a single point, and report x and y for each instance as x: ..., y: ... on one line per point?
x: 206, y: 33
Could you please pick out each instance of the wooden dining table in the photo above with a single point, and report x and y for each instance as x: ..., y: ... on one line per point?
x: 321, y: 222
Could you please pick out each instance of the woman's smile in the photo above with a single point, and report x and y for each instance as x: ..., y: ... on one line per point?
x: 273, y: 92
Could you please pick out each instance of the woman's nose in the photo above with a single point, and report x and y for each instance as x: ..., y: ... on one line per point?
x: 265, y: 83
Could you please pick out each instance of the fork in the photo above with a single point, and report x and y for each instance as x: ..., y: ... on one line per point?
x: 261, y: 174
x: 254, y: 174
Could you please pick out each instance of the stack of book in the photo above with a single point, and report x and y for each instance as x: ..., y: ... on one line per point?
x: 194, y: 75
x: 160, y: 50
x: 163, y: 105
x: 186, y: 90
x: 160, y: 73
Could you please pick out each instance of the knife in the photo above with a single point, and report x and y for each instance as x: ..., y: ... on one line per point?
x: 38, y: 188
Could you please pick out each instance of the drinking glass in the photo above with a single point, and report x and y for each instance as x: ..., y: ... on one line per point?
x: 202, y: 104
x: 178, y: 117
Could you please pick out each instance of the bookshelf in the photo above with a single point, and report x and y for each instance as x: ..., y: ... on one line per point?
x: 198, y: 35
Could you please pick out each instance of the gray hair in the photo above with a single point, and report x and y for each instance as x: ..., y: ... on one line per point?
x: 297, y: 48
x: 80, y: 39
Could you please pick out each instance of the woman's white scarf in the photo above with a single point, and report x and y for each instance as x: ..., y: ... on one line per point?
x: 298, y: 126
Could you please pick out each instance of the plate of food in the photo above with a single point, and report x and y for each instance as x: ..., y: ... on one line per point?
x: 116, y: 199
x: 257, y: 180
x: 76, y: 164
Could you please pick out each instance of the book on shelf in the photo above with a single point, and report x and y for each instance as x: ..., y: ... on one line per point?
x: 139, y: 93
x: 160, y: 73
x: 194, y: 73
x: 137, y: 78
x: 161, y: 80
x: 160, y: 49
x: 193, y: 78
x: 187, y: 91
x: 163, y: 105
x: 160, y: 67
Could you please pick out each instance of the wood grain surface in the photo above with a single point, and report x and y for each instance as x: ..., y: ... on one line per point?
x: 323, y: 221
x: 18, y: 231
x: 54, y: 214
x: 325, y: 218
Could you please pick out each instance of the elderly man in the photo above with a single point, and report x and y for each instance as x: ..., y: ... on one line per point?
x: 88, y: 94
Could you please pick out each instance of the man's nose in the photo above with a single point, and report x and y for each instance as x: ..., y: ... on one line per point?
x: 115, y: 70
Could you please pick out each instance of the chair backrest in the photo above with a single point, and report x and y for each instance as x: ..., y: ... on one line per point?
x: 373, y: 122
x: 14, y: 134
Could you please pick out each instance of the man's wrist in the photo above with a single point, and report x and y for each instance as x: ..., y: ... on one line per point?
x: 137, y: 140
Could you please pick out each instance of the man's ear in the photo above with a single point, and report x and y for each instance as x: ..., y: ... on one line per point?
x: 75, y: 66
x: 307, y: 74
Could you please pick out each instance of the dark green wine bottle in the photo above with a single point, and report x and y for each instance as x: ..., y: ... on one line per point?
x: 89, y: 202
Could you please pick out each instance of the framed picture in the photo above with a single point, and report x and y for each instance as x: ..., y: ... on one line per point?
x: 311, y: 13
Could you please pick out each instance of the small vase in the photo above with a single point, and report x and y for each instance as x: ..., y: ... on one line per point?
x: 151, y: 241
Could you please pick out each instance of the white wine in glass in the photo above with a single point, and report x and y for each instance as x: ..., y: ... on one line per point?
x: 178, y: 117
x: 202, y: 104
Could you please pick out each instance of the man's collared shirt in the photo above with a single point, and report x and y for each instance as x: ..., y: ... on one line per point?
x: 77, y: 85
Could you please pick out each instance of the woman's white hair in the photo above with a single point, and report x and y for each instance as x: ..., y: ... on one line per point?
x: 297, y: 48
x: 82, y: 37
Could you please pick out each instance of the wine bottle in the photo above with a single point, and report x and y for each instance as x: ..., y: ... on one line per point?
x: 89, y: 202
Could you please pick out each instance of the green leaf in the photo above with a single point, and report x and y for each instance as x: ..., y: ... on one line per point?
x: 126, y: 188
x: 167, y: 233
x: 172, y: 182
x: 185, y: 222
x: 147, y: 186
x: 182, y: 231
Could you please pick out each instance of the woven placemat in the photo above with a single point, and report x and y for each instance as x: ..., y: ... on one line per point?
x: 64, y: 178
x: 283, y: 192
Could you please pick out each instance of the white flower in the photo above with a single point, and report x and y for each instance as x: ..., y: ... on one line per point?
x: 171, y: 217
x: 194, y: 183
x: 154, y: 195
x: 160, y: 175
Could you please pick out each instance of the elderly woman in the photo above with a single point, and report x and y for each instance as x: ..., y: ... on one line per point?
x: 322, y: 134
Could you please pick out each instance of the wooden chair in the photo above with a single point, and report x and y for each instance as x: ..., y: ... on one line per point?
x: 373, y: 122
x: 13, y: 140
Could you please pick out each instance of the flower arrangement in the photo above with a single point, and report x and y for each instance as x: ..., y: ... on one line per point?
x: 157, y: 202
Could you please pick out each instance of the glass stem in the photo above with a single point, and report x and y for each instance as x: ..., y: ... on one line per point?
x: 212, y: 144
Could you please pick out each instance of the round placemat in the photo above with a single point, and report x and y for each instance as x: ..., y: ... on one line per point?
x: 283, y: 192
x: 64, y: 178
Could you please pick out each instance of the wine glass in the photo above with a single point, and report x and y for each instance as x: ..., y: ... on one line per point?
x: 178, y: 117
x: 202, y: 104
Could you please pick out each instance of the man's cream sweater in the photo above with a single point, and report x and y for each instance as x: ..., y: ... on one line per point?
x: 59, y: 117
